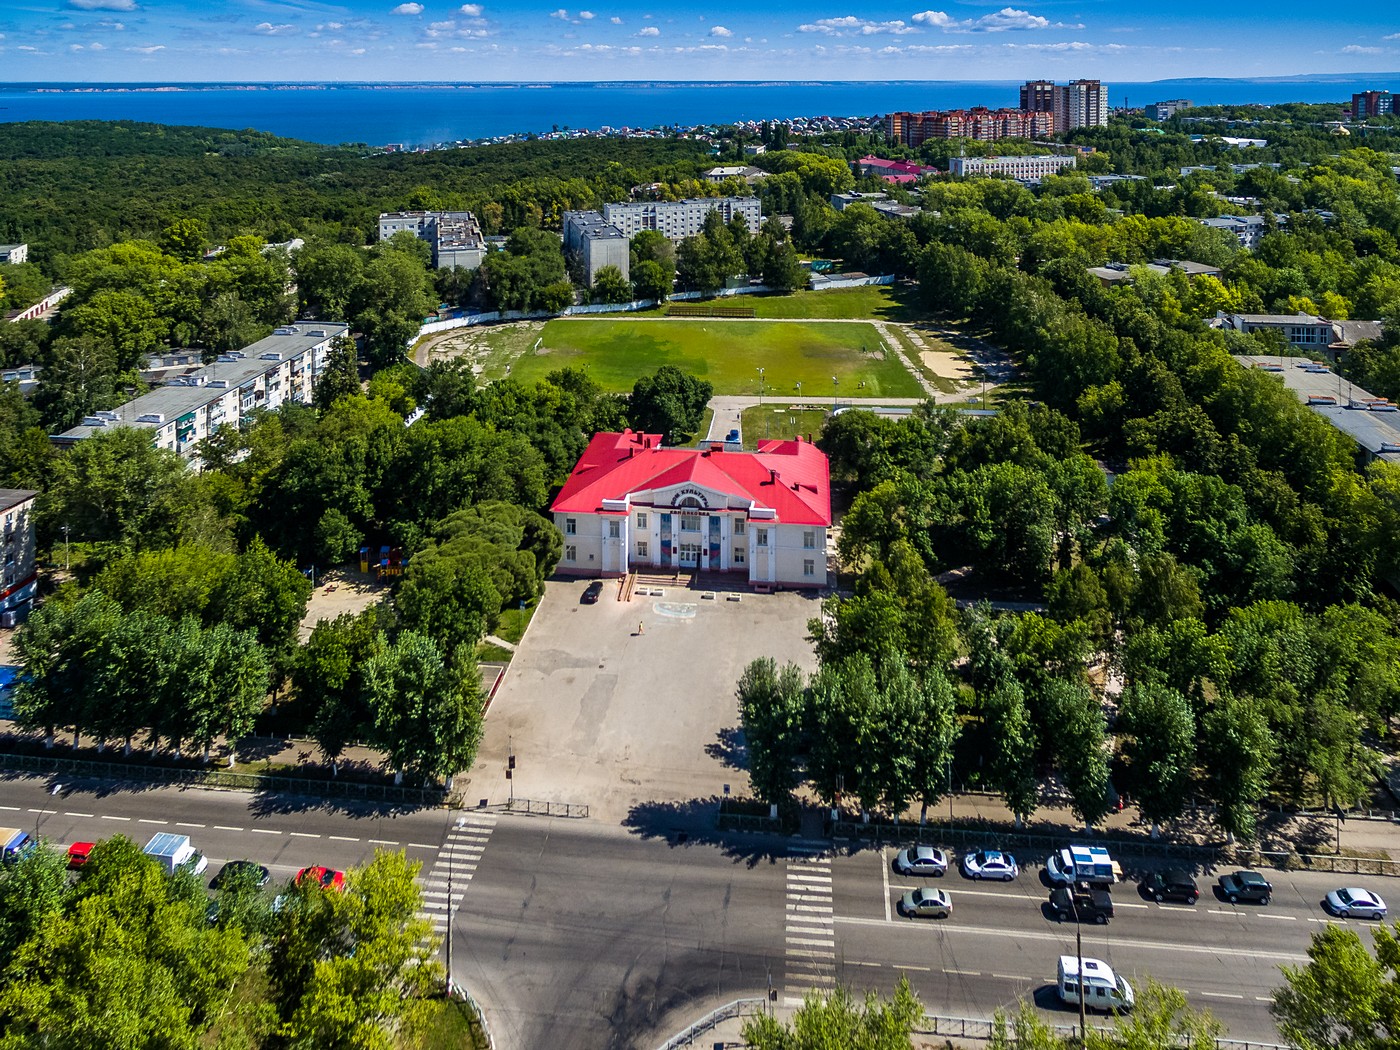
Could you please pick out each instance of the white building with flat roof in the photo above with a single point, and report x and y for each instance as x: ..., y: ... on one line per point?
x: 454, y: 236
x: 1025, y: 168
x: 594, y: 243
x: 282, y: 367
x: 680, y: 219
x: 13, y: 253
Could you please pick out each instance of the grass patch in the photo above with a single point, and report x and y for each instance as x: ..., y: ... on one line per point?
x: 511, y: 626
x: 488, y: 653
x: 703, y: 429
x: 727, y: 353
x: 879, y: 301
x: 449, y: 1024
x: 781, y: 421
x: 490, y: 349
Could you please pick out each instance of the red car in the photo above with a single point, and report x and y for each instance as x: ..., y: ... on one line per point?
x: 326, y: 878
x: 78, y: 854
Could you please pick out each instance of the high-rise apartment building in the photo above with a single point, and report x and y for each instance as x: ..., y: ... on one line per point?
x: 1372, y: 104
x: 1078, y: 104
x: 979, y: 122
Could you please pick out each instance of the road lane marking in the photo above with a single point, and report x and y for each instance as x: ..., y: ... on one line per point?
x: 182, y: 824
x: 1221, y: 911
x: 342, y: 838
x: 146, y: 820
x: 265, y: 831
x: 809, y: 918
x: 1221, y: 995
x: 12, y: 809
x: 304, y: 835
x: 921, y: 969
x: 1012, y: 977
x: 811, y: 941
x: 809, y: 953
x: 225, y: 827
x: 792, y: 877
x: 106, y: 817
x: 1263, y: 998
x: 854, y: 963
x: 885, y: 878
x: 793, y: 895
x: 55, y: 811
x: 66, y: 814
x: 1284, y: 918
x: 421, y: 845
x: 1056, y: 938
x: 965, y: 973
x: 383, y: 842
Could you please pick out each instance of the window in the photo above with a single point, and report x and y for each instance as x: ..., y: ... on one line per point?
x: 641, y: 549
x: 690, y: 522
x: 761, y: 537
x: 570, y: 526
x: 570, y: 552
x: 641, y: 520
x: 614, y: 530
x: 738, y: 555
x: 809, y: 540
x: 809, y: 567
x: 738, y: 526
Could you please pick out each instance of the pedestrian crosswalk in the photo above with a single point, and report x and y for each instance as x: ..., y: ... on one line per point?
x: 446, y: 882
x: 811, y: 943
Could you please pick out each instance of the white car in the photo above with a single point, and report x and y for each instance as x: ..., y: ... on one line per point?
x: 1354, y: 901
x: 921, y: 860
x: 990, y: 864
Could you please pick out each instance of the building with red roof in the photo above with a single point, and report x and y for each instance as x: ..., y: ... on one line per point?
x: 631, y: 503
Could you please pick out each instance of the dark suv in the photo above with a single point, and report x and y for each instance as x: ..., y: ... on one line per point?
x: 1089, y: 903
x: 1246, y: 886
x: 1174, y: 884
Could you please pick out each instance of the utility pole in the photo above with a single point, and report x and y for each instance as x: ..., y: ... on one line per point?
x: 760, y: 388
x: 834, y: 381
x: 1079, y: 955
x: 67, y: 562
x: 461, y: 822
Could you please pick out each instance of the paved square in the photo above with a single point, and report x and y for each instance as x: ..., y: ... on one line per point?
x: 600, y: 714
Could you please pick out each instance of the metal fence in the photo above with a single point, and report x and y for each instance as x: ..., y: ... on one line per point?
x: 534, y: 807
x: 738, y: 1008
x: 985, y: 1027
x: 349, y: 790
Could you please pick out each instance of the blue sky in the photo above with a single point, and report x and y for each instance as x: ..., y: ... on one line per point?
x: 252, y: 40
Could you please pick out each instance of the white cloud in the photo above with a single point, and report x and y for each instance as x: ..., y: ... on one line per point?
x: 720, y: 31
x: 1007, y: 19
x: 472, y: 10
x: 358, y: 51
x: 560, y: 14
x: 1357, y: 49
x: 615, y: 20
x: 649, y: 31
x: 268, y: 29
x: 585, y: 16
x: 408, y: 9
x: 149, y: 49
x: 474, y: 28
x: 850, y: 25
x: 103, y: 5
x: 94, y: 46
x: 27, y: 47
x: 938, y: 19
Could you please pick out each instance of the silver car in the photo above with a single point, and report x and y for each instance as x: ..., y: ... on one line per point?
x: 921, y: 860
x: 926, y: 903
x: 1353, y: 901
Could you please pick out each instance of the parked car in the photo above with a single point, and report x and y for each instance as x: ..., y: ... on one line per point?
x: 236, y: 869
x: 990, y: 864
x: 1354, y: 901
x: 926, y: 903
x: 1173, y: 884
x: 592, y: 592
x: 921, y: 860
x: 1082, y: 902
x: 1081, y: 864
x: 733, y: 435
x: 326, y: 878
x: 1246, y: 886
x: 78, y: 854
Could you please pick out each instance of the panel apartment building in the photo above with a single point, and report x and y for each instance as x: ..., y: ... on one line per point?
x: 981, y: 123
x: 18, y: 577
x: 1078, y: 104
x: 1028, y: 169
x: 679, y: 219
x: 595, y: 243
x: 454, y: 236
x: 282, y: 367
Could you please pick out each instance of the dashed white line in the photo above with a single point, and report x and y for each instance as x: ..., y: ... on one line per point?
x: 1263, y: 998
x: 106, y: 817
x: 55, y: 811
x: 920, y: 969
x: 1220, y: 995
x: 965, y: 973
x: 182, y: 824
x: 342, y: 838
x: 225, y: 827
x: 66, y: 814
x: 1011, y: 976
x: 147, y: 820
x: 303, y: 835
x: 12, y: 809
x: 383, y: 842
x: 420, y: 845
x: 265, y: 831
x: 1284, y: 918
x: 854, y: 963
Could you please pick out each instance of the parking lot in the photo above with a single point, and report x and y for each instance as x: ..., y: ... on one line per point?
x: 601, y: 713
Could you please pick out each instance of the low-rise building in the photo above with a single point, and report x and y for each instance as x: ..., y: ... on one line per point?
x: 1168, y: 109
x: 18, y: 575
x: 1024, y: 168
x: 282, y: 367
x: 680, y: 219
x: 1249, y: 230
x: 1113, y: 274
x: 594, y: 243
x: 1301, y: 330
x: 747, y: 172
x: 632, y: 504
x: 13, y: 253
x: 842, y: 201
x: 454, y: 236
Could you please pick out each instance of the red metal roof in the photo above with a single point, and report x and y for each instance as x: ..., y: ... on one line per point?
x: 790, y: 477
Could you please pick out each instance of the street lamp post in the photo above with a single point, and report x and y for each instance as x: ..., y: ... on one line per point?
x: 834, y: 381
x: 1079, y: 957
x: 760, y: 388
x: 67, y: 562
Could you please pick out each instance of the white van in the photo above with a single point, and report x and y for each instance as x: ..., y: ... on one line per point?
x: 1103, y: 989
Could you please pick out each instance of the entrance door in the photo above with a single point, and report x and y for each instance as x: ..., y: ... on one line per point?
x: 690, y: 555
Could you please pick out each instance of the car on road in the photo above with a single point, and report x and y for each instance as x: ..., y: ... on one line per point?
x: 1246, y: 886
x: 926, y: 903
x: 921, y: 860
x: 1172, y: 884
x: 1082, y: 902
x: 1080, y: 864
x: 990, y: 864
x: 238, y: 870
x: 1102, y: 989
x: 592, y: 592
x: 78, y: 854
x: 1354, y: 901
x: 733, y: 435
x: 326, y: 878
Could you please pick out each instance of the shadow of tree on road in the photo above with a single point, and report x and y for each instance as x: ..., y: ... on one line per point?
x: 730, y: 748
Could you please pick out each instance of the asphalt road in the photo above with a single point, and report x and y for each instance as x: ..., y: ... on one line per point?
x: 579, y: 934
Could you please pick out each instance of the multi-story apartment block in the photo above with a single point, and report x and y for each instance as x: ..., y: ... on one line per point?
x: 1249, y: 230
x: 1025, y: 168
x: 1078, y: 104
x: 679, y: 219
x: 455, y: 236
x: 595, y: 243
x: 1372, y: 104
x: 13, y: 253
x: 17, y: 572
x: 282, y: 367
x: 914, y: 129
x: 1166, y: 110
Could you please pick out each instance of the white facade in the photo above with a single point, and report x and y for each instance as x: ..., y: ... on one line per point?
x: 1015, y: 167
x: 454, y: 236
x: 680, y: 219
x: 14, y: 253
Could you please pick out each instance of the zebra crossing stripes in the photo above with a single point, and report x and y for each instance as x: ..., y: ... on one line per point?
x: 445, y: 883
x: 810, y: 960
